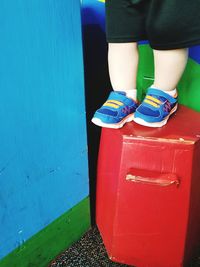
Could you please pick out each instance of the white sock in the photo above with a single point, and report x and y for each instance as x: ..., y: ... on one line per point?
x: 131, y: 93
x: 171, y: 92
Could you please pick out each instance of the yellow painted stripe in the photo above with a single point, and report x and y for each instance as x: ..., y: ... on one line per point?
x: 154, y: 99
x: 110, y: 105
x: 115, y: 101
x: 151, y: 103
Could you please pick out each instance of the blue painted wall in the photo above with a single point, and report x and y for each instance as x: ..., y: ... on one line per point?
x: 93, y: 12
x: 43, y: 149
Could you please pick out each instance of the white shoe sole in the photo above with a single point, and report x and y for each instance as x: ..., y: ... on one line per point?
x: 155, y: 124
x: 118, y: 125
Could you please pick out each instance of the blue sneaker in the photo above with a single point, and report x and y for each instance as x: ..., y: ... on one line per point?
x: 156, y: 108
x: 116, y: 111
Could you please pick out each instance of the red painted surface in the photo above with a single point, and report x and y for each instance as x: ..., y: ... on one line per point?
x: 148, y: 192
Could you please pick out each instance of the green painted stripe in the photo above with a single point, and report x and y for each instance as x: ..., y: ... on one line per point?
x: 145, y: 74
x: 43, y: 247
x: 188, y: 87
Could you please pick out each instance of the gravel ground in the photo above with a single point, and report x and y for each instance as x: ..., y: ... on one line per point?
x: 89, y: 251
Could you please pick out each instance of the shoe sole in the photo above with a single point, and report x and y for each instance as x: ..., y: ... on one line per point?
x: 155, y: 124
x: 118, y: 125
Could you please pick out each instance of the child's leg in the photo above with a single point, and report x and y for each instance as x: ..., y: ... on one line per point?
x: 169, y: 67
x: 161, y: 99
x: 123, y: 65
x: 170, y: 33
x: 121, y: 104
x: 125, y: 26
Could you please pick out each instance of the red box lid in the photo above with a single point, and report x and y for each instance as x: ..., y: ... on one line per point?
x: 183, y: 126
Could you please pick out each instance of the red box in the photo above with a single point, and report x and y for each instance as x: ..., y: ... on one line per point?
x: 148, y: 192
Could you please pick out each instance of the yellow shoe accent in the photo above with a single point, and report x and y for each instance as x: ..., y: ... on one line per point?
x: 153, y: 99
x: 151, y: 103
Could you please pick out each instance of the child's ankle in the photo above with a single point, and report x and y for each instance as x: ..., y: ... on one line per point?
x: 130, y: 93
x: 172, y: 93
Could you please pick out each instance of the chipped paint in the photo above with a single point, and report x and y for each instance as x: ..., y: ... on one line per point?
x: 157, y: 139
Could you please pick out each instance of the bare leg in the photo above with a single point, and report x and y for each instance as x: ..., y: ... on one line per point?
x: 158, y: 106
x: 169, y: 67
x: 123, y: 65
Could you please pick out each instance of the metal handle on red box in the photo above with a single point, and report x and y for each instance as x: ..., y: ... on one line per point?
x: 165, y: 179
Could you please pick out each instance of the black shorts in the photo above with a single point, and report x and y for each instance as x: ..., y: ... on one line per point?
x: 167, y: 24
